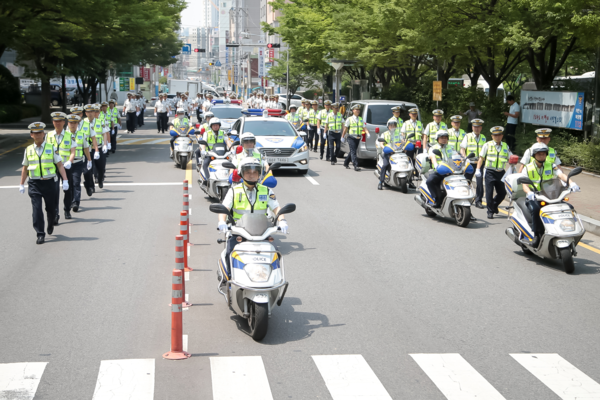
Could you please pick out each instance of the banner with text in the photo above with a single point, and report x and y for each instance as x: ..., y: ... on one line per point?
x: 261, y: 62
x: 555, y: 109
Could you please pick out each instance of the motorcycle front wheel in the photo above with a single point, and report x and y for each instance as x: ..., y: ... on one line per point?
x: 258, y: 321
x: 463, y: 216
x: 403, y: 184
x: 567, y: 260
x: 184, y: 162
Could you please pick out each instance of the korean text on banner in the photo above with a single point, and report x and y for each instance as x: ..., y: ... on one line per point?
x: 131, y: 83
x: 554, y: 109
x: 261, y: 62
x: 437, y: 90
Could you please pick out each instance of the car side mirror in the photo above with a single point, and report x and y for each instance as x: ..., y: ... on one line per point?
x: 524, y: 181
x: 203, y: 142
x: 274, y: 166
x: 287, y: 209
x: 437, y: 153
x: 229, y: 164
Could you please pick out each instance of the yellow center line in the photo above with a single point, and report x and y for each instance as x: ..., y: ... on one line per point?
x: 585, y: 246
x: 18, y: 147
x: 188, y: 174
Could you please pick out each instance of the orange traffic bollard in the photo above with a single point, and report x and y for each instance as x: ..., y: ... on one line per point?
x: 179, y: 252
x: 183, y: 231
x: 177, y: 352
x: 185, y: 187
x: 186, y: 208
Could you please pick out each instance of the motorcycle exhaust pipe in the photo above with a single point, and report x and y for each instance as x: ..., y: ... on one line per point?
x: 510, y: 232
x: 419, y: 200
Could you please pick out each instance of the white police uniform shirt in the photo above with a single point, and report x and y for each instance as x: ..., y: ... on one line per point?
x: 130, y: 105
x: 426, y: 132
x: 207, y: 105
x: 258, y: 103
x: 527, y: 158
x: 56, y: 158
x: 498, y: 148
x: 161, y: 106
x: 406, y: 123
x: 272, y: 202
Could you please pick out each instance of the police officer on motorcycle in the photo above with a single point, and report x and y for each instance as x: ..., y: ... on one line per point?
x: 178, y: 122
x: 435, y: 179
x: 392, y: 138
x: 211, y: 136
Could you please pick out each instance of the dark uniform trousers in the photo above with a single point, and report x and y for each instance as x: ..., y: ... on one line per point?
x: 131, y: 121
x: 479, y: 188
x: 199, y: 115
x: 113, y: 138
x: 312, y: 133
x: 140, y: 118
x: 38, y: 190
x: 534, y: 207
x: 162, y: 122
x: 68, y: 195
x: 99, y: 165
x: 384, y: 167
x: 323, y: 142
x: 334, y: 140
x: 433, y: 183
x: 493, y: 180
x: 353, y: 144
x: 77, y: 170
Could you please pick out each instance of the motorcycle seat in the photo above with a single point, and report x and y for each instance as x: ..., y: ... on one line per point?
x: 522, y: 203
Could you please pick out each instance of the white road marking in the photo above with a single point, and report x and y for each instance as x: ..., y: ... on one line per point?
x: 455, y: 377
x: 189, y: 195
x: 560, y: 376
x: 187, y: 278
x: 185, y: 340
x: 190, y: 213
x: 119, y: 136
x: 349, y: 377
x: 125, y: 379
x: 189, y: 249
x: 235, y: 378
x: 131, y: 141
x: 119, y: 184
x: 158, y: 141
x: 311, y: 179
x: 20, y: 380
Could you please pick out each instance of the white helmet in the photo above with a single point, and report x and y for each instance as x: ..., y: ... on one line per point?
x: 266, y: 113
x: 180, y: 111
x: 209, y: 114
x: 215, y: 121
x: 538, y: 147
x: 247, y: 136
x: 249, y: 164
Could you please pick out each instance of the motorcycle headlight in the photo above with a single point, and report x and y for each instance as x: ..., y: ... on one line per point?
x: 258, y: 272
x: 304, y: 148
x: 223, y: 174
x: 403, y: 165
x: 567, y: 225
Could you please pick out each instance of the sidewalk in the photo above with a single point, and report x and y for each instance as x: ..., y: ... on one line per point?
x: 587, y: 202
x: 22, y: 124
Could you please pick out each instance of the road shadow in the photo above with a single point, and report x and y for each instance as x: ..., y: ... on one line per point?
x: 94, y: 221
x: 286, y: 248
x: 479, y: 223
x: 105, y: 190
x: 62, y: 238
x: 108, y: 198
x: 83, y: 209
x: 583, y: 266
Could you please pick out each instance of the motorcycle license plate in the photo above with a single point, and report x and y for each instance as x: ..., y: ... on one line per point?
x: 259, y: 259
x: 277, y: 159
x: 563, y: 216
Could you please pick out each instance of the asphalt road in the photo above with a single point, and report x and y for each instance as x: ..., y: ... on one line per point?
x: 429, y: 310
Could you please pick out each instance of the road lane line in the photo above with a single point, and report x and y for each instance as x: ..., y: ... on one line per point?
x: 155, y: 141
x: 20, y: 380
x: 311, y: 179
x: 349, y: 377
x: 131, y: 141
x: 235, y: 378
x: 120, y: 184
x: 125, y: 379
x: 18, y: 147
x: 188, y: 175
x: 560, y: 376
x: 455, y: 377
x: 185, y: 338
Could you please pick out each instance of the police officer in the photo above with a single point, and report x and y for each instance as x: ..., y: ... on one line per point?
x: 302, y: 108
x: 293, y: 117
x: 392, y: 137
x: 130, y: 108
x: 455, y: 134
x: 542, y: 136
x: 396, y: 115
x: 495, y: 155
x: 313, y: 135
x: 473, y: 142
x: 413, y: 126
x: 40, y: 163
x: 429, y: 137
x: 321, y: 131
x: 207, y: 105
x: 114, y: 121
x: 81, y: 160
x: 333, y: 126
x: 105, y: 122
x: 139, y: 120
x: 65, y: 147
x: 180, y: 120
x: 99, y: 155
x: 354, y: 128
x: 538, y: 170
x: 84, y: 128
x: 211, y: 136
x: 435, y: 179
x: 249, y: 197
x: 161, y: 107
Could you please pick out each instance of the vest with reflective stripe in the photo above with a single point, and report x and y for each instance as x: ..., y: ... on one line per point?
x: 177, y: 122
x: 211, y: 139
x: 390, y: 140
x: 551, y: 158
x: 473, y: 146
x: 242, y: 206
x: 255, y: 154
x: 495, y: 159
x: 410, y: 128
x: 334, y: 121
x: 445, y: 151
x: 114, y: 114
x: 293, y: 118
x: 323, y: 115
x: 356, y: 128
x: 78, y: 137
x: 534, y: 175
x: 454, y: 141
x: 398, y: 121
x: 312, y: 117
x: 433, y: 129
x: 64, y: 147
x: 41, y: 166
x: 96, y: 130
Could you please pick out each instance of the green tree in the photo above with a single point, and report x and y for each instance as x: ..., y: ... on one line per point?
x: 299, y: 75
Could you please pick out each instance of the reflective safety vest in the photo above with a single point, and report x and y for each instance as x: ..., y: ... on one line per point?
x: 454, y: 141
x: 410, y: 128
x: 242, y: 206
x: 533, y: 172
x: 433, y: 129
x: 474, y: 146
x: 64, y: 147
x: 177, y: 122
x: 551, y: 156
x: 212, y: 139
x: 495, y: 159
x: 356, y: 128
x: 96, y: 130
x: 114, y: 114
x: 334, y: 121
x: 41, y: 166
x: 398, y: 121
x: 84, y: 127
x: 243, y: 155
x: 323, y: 115
x: 446, y: 150
x: 392, y: 140
x: 78, y: 137
x: 293, y: 118
x: 312, y: 117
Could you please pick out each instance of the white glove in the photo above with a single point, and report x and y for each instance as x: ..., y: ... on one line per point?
x: 478, y: 172
x: 96, y: 156
x: 137, y: 113
x: 222, y: 226
x: 324, y: 135
x: 89, y: 165
x: 104, y: 149
x: 67, y: 165
x: 119, y: 126
x: 21, y: 189
x: 575, y: 187
x: 283, y: 226
x: 368, y: 135
x: 65, y: 185
x: 202, y: 153
x: 531, y: 196
x: 343, y: 139
x: 108, y: 145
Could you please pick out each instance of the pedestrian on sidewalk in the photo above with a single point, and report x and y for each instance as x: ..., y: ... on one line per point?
x: 511, y: 122
x: 472, y: 113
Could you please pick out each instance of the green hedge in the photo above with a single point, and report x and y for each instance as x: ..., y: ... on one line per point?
x: 10, y: 91
x: 30, y: 110
x: 15, y: 113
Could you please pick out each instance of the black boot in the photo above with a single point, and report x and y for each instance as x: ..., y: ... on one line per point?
x: 357, y: 169
x: 56, y: 219
x: 67, y: 214
x: 411, y: 185
x: 478, y: 204
x: 89, y: 191
x: 50, y: 228
x: 380, y: 186
x: 101, y: 184
x: 490, y: 215
x: 536, y: 241
x: 75, y: 207
x: 40, y: 240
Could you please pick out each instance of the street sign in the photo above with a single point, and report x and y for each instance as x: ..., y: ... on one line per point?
x: 261, y: 62
x: 437, y: 90
x: 218, y: 63
x: 186, y: 49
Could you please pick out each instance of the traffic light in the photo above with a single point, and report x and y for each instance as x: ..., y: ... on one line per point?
x: 273, y: 45
x: 211, y: 63
x: 199, y: 50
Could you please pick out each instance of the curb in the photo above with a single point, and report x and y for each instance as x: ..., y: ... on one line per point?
x: 591, y: 225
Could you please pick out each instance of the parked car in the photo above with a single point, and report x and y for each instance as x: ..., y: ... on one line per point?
x: 375, y: 114
x: 295, y: 100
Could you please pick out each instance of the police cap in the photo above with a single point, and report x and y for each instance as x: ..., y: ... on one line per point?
x: 456, y: 118
x: 73, y: 118
x: 438, y: 112
x: 477, y: 122
x: 497, y: 130
x: 543, y: 132
x: 58, y: 116
x: 37, y: 127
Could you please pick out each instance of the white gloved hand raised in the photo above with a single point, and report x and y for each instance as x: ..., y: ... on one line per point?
x: 21, y: 189
x: 96, y: 156
x: 108, y: 145
x: 67, y: 165
x: 531, y: 196
x: 575, y: 187
x: 65, y: 185
x: 478, y: 172
x: 283, y: 226
x: 89, y: 165
x: 222, y: 226
x: 324, y: 135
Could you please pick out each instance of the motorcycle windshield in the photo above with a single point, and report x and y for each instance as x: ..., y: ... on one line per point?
x: 553, y: 188
x: 220, y: 149
x: 182, y: 130
x: 255, y: 223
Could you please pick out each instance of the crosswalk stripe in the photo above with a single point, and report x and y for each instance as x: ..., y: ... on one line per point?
x: 20, y: 380
x: 131, y: 141
x: 350, y: 377
x: 560, y: 376
x: 161, y: 140
x: 125, y: 379
x: 235, y: 378
x: 455, y: 377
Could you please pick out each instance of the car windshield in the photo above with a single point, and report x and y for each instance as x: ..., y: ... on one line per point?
x: 276, y: 127
x: 227, y: 112
x: 379, y: 114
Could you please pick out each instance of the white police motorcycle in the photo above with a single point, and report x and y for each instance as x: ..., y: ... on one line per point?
x: 457, y: 192
x: 218, y: 179
x: 563, y: 228
x: 401, y: 167
x: 183, y: 146
x: 256, y: 280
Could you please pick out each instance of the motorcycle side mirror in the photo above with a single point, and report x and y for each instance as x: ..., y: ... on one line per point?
x: 274, y: 166
x: 228, y: 164
x: 203, y: 142
x: 524, y: 181
x: 219, y: 209
x: 236, y: 143
x: 382, y: 140
x: 471, y: 155
x: 575, y: 171
x: 412, y: 135
x: 287, y: 209
x: 437, y: 153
